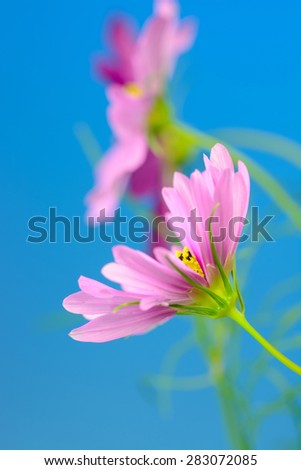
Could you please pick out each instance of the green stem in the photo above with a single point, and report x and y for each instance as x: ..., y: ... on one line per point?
x: 88, y: 143
x: 242, y: 321
x: 170, y: 382
x: 212, y: 344
x: 229, y: 407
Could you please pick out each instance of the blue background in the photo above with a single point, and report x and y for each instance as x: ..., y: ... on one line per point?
x: 244, y: 71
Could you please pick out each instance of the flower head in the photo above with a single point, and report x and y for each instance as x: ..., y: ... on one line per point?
x: 192, y: 279
x: 138, y: 112
x: 146, y: 60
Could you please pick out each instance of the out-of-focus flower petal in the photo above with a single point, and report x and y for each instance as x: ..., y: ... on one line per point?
x: 112, y: 175
x: 118, y: 68
x: 127, y: 112
x: 159, y: 45
x: 122, y: 37
x: 186, y: 35
x: 166, y: 8
x: 107, y: 70
x: 148, y: 177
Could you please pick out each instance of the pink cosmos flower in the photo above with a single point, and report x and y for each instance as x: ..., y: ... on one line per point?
x: 150, y: 57
x: 192, y: 279
x: 138, y: 73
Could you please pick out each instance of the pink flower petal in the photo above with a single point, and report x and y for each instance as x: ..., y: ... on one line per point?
x: 122, y: 37
x: 189, y: 198
x: 220, y: 157
x: 147, y: 178
x: 119, y: 325
x: 96, y: 298
x: 159, y: 45
x: 112, y: 175
x: 223, y: 196
x: 217, y: 185
x: 142, y: 275
x: 166, y: 8
x: 117, y: 68
x: 186, y: 35
x: 127, y: 113
x: 242, y: 169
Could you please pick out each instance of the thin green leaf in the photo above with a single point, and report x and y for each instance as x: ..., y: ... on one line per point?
x: 88, y: 142
x: 174, y: 383
x: 254, y: 139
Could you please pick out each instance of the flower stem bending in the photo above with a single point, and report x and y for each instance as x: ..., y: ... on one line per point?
x: 242, y: 321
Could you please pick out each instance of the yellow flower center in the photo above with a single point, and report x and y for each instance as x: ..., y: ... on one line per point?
x: 189, y: 260
x: 133, y: 89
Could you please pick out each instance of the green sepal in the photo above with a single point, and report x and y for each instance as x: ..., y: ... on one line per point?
x: 126, y: 304
x: 197, y: 310
x: 236, y: 286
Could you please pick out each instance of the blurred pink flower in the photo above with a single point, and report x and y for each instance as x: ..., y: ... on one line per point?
x: 117, y: 68
x: 146, y: 59
x: 138, y: 73
x: 175, y: 281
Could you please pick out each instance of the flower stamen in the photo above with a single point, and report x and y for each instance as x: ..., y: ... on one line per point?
x: 133, y: 89
x: 189, y: 260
